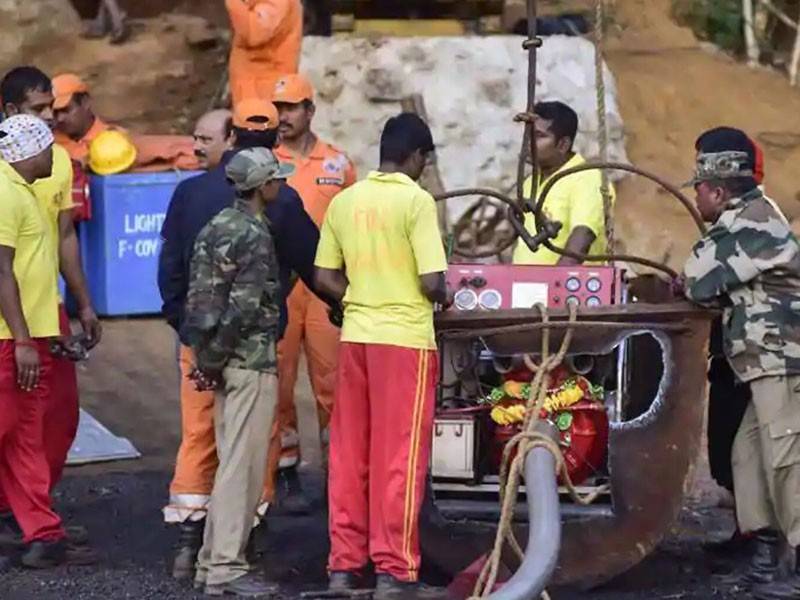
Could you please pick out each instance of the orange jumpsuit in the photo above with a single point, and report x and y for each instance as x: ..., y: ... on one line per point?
x: 267, y: 35
x: 321, y: 175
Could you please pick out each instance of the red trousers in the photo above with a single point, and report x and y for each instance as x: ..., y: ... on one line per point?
x: 61, y: 414
x: 24, y: 473
x: 381, y: 431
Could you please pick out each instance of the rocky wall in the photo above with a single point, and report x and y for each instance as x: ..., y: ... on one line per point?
x: 472, y: 88
x: 26, y: 24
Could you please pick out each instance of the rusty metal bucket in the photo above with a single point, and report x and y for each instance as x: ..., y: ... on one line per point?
x: 651, y: 458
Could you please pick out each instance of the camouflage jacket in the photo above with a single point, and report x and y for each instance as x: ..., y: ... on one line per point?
x: 232, y: 307
x: 748, y: 263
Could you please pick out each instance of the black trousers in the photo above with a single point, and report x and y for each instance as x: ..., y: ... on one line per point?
x: 727, y: 401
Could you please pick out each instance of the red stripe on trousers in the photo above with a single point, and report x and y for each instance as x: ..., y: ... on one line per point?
x: 381, y: 426
x: 24, y: 473
x: 62, y: 414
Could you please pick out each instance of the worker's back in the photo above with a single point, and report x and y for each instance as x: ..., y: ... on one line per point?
x: 267, y: 37
x: 384, y: 232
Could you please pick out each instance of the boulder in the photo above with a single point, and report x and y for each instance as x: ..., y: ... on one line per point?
x: 472, y: 88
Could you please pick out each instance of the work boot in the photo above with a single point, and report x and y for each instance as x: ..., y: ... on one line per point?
x: 391, y: 588
x: 739, y: 544
x: 291, y: 499
x: 249, y: 585
x: 10, y: 533
x: 45, y: 554
x: 764, y: 561
x: 784, y: 589
x: 190, y: 540
x: 340, y: 581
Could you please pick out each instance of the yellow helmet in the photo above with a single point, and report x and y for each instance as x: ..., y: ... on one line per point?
x: 111, y: 152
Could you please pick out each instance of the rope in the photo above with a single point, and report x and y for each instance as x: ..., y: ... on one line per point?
x: 522, y: 443
x: 605, y: 189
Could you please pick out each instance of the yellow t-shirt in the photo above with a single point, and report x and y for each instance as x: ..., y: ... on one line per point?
x: 384, y: 232
x: 23, y: 227
x: 574, y: 200
x: 54, y: 194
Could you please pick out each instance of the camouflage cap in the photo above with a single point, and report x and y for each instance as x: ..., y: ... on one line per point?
x: 252, y: 168
x: 710, y: 166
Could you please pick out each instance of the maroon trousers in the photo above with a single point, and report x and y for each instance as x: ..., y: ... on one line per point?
x: 24, y: 472
x: 381, y: 431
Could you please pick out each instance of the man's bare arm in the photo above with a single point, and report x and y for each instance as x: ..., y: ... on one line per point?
x: 580, y: 240
x: 72, y: 270
x: 331, y: 282
x: 25, y: 354
x: 434, y: 287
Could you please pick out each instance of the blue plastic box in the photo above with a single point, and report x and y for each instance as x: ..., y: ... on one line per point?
x: 121, y: 243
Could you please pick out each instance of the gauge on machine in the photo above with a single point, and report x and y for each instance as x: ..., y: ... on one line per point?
x: 594, y: 285
x: 465, y: 299
x: 573, y: 284
x: 490, y: 299
x: 593, y: 301
x: 573, y: 301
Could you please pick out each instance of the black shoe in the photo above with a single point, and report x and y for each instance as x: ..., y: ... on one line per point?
x: 784, y: 589
x: 390, y: 588
x: 251, y: 552
x: 10, y: 533
x: 290, y: 497
x: 738, y: 545
x: 764, y: 561
x: 189, y: 542
x: 45, y: 555
x: 249, y: 585
x: 340, y: 581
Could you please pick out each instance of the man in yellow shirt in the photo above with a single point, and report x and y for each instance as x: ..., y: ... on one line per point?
x: 28, y: 91
x: 381, y: 254
x: 575, y: 200
x: 28, y: 318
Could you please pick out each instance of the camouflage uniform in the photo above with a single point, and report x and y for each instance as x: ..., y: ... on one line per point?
x: 231, y: 324
x: 232, y: 306
x: 748, y: 263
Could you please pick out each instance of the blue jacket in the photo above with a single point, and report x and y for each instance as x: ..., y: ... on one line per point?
x: 198, y: 200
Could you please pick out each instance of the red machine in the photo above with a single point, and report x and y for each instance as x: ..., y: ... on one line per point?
x: 493, y: 287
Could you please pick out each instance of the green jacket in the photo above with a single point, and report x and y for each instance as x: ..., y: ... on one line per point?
x: 748, y: 263
x: 232, y: 307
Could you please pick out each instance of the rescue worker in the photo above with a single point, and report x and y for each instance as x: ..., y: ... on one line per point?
x: 381, y: 254
x: 75, y: 121
x: 575, y: 201
x: 28, y: 318
x: 728, y: 397
x: 748, y: 263
x: 77, y: 127
x: 321, y: 171
x: 267, y: 36
x: 195, y: 202
x: 231, y: 324
x: 27, y: 90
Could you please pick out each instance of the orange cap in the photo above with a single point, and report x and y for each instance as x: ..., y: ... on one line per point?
x: 255, y: 114
x: 64, y: 87
x: 293, y: 89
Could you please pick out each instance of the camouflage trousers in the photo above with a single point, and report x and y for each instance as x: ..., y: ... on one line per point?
x: 766, y: 459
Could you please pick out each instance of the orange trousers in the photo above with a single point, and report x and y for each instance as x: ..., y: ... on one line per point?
x: 309, y: 330
x: 196, y: 463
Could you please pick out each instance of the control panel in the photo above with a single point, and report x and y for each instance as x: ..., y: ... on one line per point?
x: 492, y: 287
